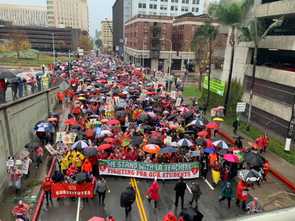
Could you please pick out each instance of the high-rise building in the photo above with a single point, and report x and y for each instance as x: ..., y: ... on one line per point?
x: 23, y: 14
x: 68, y: 13
x: 107, y: 36
x: 274, y: 89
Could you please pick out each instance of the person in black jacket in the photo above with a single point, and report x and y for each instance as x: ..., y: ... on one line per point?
x: 179, y: 189
x: 127, y: 199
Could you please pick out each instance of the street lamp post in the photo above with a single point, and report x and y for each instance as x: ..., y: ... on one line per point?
x: 53, y: 48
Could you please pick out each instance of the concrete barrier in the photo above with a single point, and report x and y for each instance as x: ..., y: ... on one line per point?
x: 16, y: 124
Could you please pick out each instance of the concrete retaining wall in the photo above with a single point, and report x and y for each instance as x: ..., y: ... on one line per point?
x: 16, y: 124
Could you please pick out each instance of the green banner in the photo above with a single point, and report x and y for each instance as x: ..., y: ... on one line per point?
x: 149, y: 170
x: 216, y: 86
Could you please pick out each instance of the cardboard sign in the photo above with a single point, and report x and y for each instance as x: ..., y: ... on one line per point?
x: 173, y: 95
x: 50, y: 149
x: 178, y: 102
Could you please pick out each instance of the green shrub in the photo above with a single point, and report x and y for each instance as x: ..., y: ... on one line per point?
x: 236, y: 94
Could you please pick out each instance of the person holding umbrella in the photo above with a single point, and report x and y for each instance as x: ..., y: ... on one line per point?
x: 179, y: 189
x: 127, y: 198
x: 226, y: 193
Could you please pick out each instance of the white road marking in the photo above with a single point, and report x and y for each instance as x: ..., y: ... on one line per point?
x: 209, y: 184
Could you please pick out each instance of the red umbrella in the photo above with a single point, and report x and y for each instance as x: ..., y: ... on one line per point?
x: 150, y: 93
x: 203, y: 133
x: 102, y: 81
x: 113, y: 122
x: 109, y: 140
x: 105, y: 146
x: 71, y: 122
x: 231, y: 158
x: 254, y: 145
x: 212, y: 125
x: 96, y: 219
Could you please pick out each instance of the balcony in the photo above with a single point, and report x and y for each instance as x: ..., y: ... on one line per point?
x: 279, y: 42
x: 275, y: 8
x: 274, y: 75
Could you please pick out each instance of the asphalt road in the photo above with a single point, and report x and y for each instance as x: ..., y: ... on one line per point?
x: 208, y: 204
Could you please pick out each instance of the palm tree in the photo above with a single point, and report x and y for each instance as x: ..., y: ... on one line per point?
x: 203, y: 45
x: 255, y: 31
x: 230, y: 14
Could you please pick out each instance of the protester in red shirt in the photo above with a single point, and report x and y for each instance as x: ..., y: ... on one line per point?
x: 3, y: 87
x: 46, y: 186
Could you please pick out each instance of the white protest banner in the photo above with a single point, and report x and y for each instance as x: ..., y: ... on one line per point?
x: 178, y: 102
x: 169, y: 171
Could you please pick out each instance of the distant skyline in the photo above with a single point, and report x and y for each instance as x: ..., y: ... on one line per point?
x: 98, y: 10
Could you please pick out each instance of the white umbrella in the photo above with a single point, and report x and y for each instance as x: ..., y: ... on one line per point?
x: 221, y: 143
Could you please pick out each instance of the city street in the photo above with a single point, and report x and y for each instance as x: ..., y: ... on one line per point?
x: 208, y: 204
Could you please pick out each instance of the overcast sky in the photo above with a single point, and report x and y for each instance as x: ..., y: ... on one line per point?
x: 98, y: 10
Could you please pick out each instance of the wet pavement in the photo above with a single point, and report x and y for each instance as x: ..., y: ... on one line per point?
x: 208, y: 204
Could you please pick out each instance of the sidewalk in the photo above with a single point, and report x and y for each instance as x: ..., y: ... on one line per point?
x: 30, y: 186
x: 274, y: 193
x: 278, y: 164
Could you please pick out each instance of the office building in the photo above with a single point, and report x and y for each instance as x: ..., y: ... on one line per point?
x: 124, y: 10
x: 161, y: 42
x: 68, y: 13
x: 107, y: 36
x: 41, y: 38
x: 274, y: 89
x: 23, y: 14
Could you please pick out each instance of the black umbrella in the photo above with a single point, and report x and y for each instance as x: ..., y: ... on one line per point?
x: 222, y: 151
x: 6, y: 74
x: 200, y: 141
x: 191, y: 214
x: 147, y: 127
x: 136, y: 140
x: 80, y: 177
x: 253, y: 159
x: 171, y: 117
x: 90, y: 151
x: 155, y: 140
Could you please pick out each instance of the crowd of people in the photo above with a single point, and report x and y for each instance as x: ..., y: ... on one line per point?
x: 120, y: 112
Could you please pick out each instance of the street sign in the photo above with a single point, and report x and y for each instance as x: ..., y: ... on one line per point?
x: 241, y: 107
x: 216, y: 86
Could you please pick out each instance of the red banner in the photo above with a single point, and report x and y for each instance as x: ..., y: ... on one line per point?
x: 67, y: 190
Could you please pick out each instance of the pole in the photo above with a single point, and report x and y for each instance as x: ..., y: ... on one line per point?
x: 230, y: 70
x: 53, y: 48
x: 291, y: 130
x: 78, y: 209
x: 170, y: 58
x: 209, y: 72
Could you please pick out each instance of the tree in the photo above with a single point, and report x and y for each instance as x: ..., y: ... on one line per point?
x: 98, y: 43
x: 230, y: 14
x: 255, y: 31
x: 19, y: 42
x: 61, y: 45
x: 203, y: 44
x: 85, y: 43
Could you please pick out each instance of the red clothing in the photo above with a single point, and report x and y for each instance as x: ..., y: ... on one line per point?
x: 170, y: 217
x: 241, y: 193
x: 3, y: 85
x: 87, y: 167
x: 46, y: 185
x: 266, y: 168
x: 39, y: 152
x: 153, y: 191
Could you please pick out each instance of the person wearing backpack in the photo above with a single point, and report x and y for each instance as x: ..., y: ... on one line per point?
x: 127, y: 199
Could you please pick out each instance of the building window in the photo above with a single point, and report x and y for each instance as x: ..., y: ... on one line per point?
x: 174, y: 1
x: 196, y: 2
x: 195, y: 9
x: 163, y: 7
x: 174, y: 8
x: 141, y: 5
x: 184, y: 9
x: 164, y: 0
x: 153, y: 6
x: 185, y: 1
